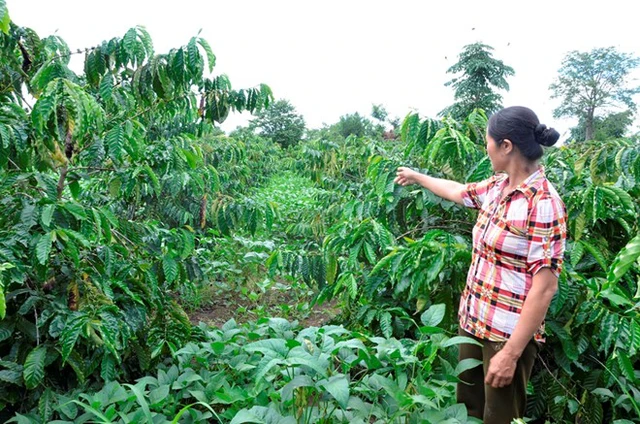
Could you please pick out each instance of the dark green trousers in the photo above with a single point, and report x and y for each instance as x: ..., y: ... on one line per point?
x: 494, y: 406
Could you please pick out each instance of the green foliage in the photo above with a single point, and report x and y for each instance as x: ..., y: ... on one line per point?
x: 394, y: 252
x: 480, y: 75
x: 280, y: 123
x: 354, y: 125
x: 107, y: 183
x: 379, y: 113
x: 4, y: 17
x: 614, y: 125
x: 272, y: 372
x: 589, y: 82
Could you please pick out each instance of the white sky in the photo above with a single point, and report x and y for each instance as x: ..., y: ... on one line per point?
x: 334, y: 57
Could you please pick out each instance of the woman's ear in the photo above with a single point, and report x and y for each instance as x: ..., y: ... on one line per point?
x: 506, y: 146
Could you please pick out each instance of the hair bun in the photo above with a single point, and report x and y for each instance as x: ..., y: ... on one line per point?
x: 546, y: 136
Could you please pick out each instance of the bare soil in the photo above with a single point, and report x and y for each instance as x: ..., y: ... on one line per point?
x: 230, y: 305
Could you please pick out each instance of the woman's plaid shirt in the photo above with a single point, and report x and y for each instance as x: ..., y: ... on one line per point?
x: 516, y: 235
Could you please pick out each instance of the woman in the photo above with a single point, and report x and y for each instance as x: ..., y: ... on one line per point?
x: 518, y: 248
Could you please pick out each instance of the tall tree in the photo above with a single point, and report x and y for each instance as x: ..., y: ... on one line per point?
x: 480, y: 77
x: 354, y: 124
x: 379, y: 113
x: 594, y: 81
x: 281, y: 123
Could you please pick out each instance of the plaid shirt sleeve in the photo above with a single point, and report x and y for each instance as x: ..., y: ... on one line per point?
x: 473, y: 194
x: 548, y: 235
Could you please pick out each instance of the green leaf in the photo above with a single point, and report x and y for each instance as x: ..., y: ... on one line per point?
x: 268, y: 216
x: 298, y: 381
x: 141, y: 401
x: 170, y: 268
x: 67, y: 407
x: 623, y: 198
x: 5, y: 21
x: 351, y: 285
x: 47, y: 214
x: 159, y: 394
x: 456, y: 340
x: 579, y: 226
x: 603, y: 392
x: 338, y: 387
x: 108, y: 368
x: 576, y: 253
x: 191, y: 158
x: 114, y: 141
x: 47, y: 405
x: 211, y: 58
x: 75, y: 188
x: 369, y: 253
x: 76, y: 210
x: 608, y: 330
x: 70, y: 333
x: 176, y: 419
x: 192, y: 55
x: 12, y: 376
x: 115, y: 186
x: 626, y: 366
x: 261, y: 415
x: 188, y: 244
x: 33, y: 372
x: 596, y: 253
x: 624, y: 260
x: 94, y: 411
x: 435, y: 267
x: 568, y: 346
x: 466, y: 364
x: 615, y: 298
x: 177, y: 66
x: 43, y: 248
x: 385, y: 324
x: 23, y: 419
x: 434, y: 315
x: 3, y: 302
x: 106, y: 86
x: 6, y: 330
x: 154, y: 179
x: 332, y: 267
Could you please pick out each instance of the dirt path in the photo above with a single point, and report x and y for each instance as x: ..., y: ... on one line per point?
x: 228, y: 306
x: 296, y: 197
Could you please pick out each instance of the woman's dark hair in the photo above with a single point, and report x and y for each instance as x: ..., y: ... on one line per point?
x: 521, y: 125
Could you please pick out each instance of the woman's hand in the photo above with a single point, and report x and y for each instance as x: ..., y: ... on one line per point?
x: 446, y: 189
x: 406, y: 176
x: 502, y: 368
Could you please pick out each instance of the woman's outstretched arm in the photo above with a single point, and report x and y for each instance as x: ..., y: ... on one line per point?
x: 447, y: 189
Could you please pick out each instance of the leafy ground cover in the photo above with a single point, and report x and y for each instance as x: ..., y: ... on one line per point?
x: 271, y: 371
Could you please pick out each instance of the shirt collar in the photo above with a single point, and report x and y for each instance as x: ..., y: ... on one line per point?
x: 531, y: 185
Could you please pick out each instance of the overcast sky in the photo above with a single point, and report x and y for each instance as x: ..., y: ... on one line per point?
x: 335, y: 57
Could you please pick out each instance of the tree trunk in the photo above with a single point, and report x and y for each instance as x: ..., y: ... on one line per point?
x: 63, y: 175
x: 589, y: 126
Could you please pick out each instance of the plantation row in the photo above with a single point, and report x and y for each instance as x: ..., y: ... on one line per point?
x: 124, y: 207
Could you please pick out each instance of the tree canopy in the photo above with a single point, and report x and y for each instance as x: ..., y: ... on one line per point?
x: 594, y: 82
x: 280, y: 123
x: 480, y: 78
